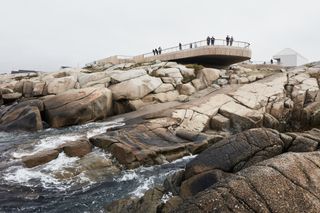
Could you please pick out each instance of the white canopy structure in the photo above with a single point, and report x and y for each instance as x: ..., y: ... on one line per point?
x: 289, y: 57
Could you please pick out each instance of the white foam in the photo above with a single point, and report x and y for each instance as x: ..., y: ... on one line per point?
x: 127, y: 176
x: 48, y: 143
x: 145, y: 185
x: 24, y: 176
x: 166, y: 197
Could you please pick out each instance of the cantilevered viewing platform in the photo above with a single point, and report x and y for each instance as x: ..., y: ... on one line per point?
x: 219, y: 54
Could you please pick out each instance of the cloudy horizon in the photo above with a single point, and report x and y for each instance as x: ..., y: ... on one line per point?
x: 44, y: 35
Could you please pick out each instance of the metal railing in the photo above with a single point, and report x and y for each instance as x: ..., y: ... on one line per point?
x: 199, y: 44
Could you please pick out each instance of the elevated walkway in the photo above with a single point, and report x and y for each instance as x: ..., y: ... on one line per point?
x: 199, y: 52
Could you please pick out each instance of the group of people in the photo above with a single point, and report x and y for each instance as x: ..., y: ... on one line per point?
x: 157, y: 51
x: 229, y: 40
x: 210, y: 40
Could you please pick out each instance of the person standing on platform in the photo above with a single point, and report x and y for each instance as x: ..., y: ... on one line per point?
x: 180, y: 46
x: 156, y: 51
x: 227, y: 39
x: 212, y: 40
x: 231, y: 40
x: 208, y: 40
x: 159, y: 50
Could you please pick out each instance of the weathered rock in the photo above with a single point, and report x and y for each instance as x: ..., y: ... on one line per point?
x: 120, y: 76
x: 186, y: 89
x: 78, y: 106
x: 104, y: 82
x: 287, y: 183
x: 135, y: 88
x: 191, y: 120
x: 238, y: 151
x: 40, y: 158
x: 173, y: 182
x: 256, y: 95
x: 77, y: 148
x: 252, y: 78
x: 241, y: 117
x: 183, y: 98
x: 211, y: 107
x: 39, y: 89
x: 187, y: 73
x: 311, y: 115
x: 27, y: 89
x: 156, y: 145
x: 164, y: 88
x: 200, y: 182
x: 208, y: 75
x: 60, y: 85
x: 198, y: 84
x: 169, y: 72
x: 11, y: 97
x: 148, y: 203
x: 136, y: 104
x: 168, y: 80
x: 219, y: 122
x: 243, y: 80
x: 166, y: 97
x: 20, y: 117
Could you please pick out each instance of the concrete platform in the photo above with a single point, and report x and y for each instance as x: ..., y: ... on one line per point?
x: 214, y: 55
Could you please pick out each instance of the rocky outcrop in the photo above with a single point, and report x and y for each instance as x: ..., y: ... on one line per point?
x: 285, y: 183
x: 77, y: 148
x: 156, y: 145
x: 135, y: 88
x: 23, y: 116
x: 78, y: 106
x: 247, y: 172
x: 149, y: 203
x: 40, y: 158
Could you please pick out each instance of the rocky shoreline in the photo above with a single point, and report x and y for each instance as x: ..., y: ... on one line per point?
x: 254, y: 128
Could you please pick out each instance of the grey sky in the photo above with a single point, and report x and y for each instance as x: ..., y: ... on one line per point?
x: 45, y: 34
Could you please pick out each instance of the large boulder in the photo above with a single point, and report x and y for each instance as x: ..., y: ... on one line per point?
x: 186, y: 89
x: 60, y: 85
x: 77, y: 148
x: 78, y: 106
x: 135, y: 88
x: 40, y: 158
x: 287, y: 183
x: 119, y: 76
x: 85, y: 78
x: 241, y: 117
x: 238, y: 151
x: 20, y: 117
x: 169, y: 72
x: 208, y: 75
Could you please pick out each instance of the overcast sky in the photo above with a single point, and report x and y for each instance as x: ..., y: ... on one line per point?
x: 45, y: 34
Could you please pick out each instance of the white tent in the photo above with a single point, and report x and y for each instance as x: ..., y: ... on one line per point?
x: 289, y: 57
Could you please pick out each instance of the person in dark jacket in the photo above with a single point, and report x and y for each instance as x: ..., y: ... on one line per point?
x: 231, y: 40
x: 228, y: 40
x: 156, y: 51
x: 190, y: 45
x: 159, y: 50
x: 212, y: 40
x: 208, y: 40
x: 180, y: 46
